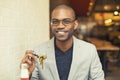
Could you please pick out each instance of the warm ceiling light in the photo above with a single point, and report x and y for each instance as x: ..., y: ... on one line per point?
x: 107, y: 7
x: 108, y: 21
x: 116, y: 13
x: 118, y: 7
x: 91, y: 4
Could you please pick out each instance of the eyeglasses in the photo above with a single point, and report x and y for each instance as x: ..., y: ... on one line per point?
x: 65, y: 22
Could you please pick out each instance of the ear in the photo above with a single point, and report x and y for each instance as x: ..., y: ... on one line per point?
x: 75, y: 24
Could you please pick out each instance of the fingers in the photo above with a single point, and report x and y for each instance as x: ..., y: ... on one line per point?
x: 29, y: 58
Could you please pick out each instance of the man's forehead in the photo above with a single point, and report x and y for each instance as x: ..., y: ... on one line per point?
x: 64, y: 9
x: 67, y: 10
x: 62, y: 13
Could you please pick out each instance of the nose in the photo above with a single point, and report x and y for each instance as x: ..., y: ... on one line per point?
x: 61, y: 25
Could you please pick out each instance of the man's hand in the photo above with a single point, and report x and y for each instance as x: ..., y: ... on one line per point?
x: 29, y: 58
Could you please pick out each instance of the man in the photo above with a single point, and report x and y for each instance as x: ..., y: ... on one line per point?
x: 66, y: 58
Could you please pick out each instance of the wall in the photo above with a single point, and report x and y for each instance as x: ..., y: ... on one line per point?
x: 23, y: 24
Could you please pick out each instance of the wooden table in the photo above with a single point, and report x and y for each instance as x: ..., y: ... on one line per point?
x: 102, y: 44
x: 103, y: 47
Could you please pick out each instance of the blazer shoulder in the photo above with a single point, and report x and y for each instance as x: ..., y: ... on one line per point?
x: 85, y: 43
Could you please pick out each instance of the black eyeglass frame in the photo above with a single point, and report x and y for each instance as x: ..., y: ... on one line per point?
x: 65, y: 21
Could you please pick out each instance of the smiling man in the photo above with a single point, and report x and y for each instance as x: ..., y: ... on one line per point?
x: 67, y: 57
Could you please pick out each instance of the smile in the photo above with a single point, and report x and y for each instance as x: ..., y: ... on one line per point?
x: 61, y: 32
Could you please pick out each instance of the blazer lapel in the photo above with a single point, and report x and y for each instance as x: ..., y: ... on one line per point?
x: 52, y: 61
x: 75, y: 59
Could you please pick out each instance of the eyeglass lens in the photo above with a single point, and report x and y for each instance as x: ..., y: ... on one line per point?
x: 66, y: 21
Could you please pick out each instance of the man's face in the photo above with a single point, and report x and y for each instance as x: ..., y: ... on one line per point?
x: 63, y: 24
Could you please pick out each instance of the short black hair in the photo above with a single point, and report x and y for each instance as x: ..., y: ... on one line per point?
x: 64, y: 6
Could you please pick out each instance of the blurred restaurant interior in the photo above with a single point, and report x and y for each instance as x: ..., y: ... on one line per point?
x: 99, y: 23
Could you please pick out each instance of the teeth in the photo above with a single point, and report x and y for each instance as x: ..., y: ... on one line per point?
x: 61, y: 32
